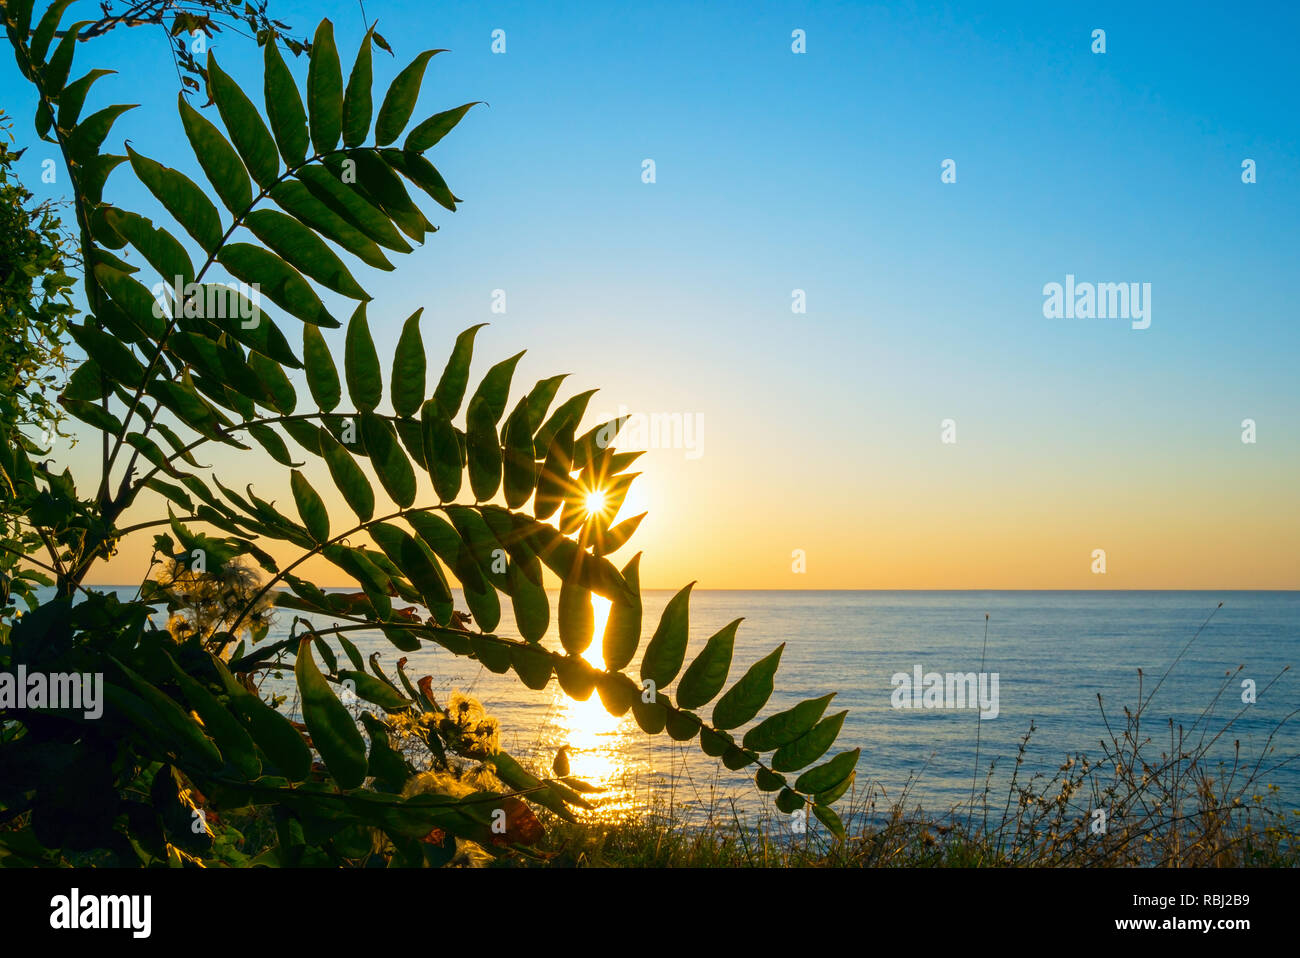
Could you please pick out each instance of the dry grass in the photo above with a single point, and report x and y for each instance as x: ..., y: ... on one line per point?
x: 1167, y: 803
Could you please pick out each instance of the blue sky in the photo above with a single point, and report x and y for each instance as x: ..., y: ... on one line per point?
x: 820, y: 171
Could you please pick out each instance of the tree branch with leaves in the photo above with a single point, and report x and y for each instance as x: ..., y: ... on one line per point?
x: 169, y: 374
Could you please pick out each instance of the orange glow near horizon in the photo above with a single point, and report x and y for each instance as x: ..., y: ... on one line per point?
x: 983, y: 522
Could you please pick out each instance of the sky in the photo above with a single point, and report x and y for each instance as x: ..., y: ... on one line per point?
x: 817, y: 456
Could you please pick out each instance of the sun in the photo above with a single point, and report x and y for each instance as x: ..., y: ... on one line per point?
x: 595, y: 502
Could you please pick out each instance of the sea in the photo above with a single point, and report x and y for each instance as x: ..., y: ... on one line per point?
x: 1212, y: 670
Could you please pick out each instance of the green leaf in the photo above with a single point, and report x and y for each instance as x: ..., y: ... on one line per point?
x: 356, y: 99
x: 441, y: 450
x: 236, y: 745
x: 74, y: 97
x: 418, y: 564
x: 327, y: 654
x: 85, y: 384
x: 623, y: 626
x: 651, y: 716
x: 682, y: 726
x: 832, y: 794
x: 532, y: 665
x: 450, y: 545
x: 407, y: 384
x: 539, y: 400
x: 169, y: 719
x: 179, y: 446
x: 151, y: 451
x: 832, y: 821
x: 95, y: 174
x: 737, y: 758
x: 373, y: 690
x: 281, y: 283
x: 564, y: 557
x: 174, y: 493
x: 789, y: 801
x: 181, y: 198
x: 270, y: 730
x: 44, y: 120
x: 387, y: 765
x: 744, y: 699
x: 332, y: 729
x: 55, y: 74
x: 663, y: 656
x: 808, y: 747
x: 450, y: 390
x: 89, y: 135
x: 303, y: 250
x: 594, y: 446
x: 270, y: 440
x: 390, y: 462
x: 784, y: 727
x: 705, y: 676
x: 274, y: 382
x: 519, y: 467
x: 617, y: 692
x: 251, y: 137
x: 530, y: 603
x: 373, y: 580
x: 483, y: 603
x: 348, y: 202
x: 827, y: 776
x: 617, y: 537
x: 400, y: 99
x: 430, y: 131
x: 402, y: 639
x: 553, y: 482
x: 564, y: 419
x: 347, y: 475
x: 350, y: 650
x: 284, y: 107
x: 220, y: 162
x: 384, y: 190
x: 412, y: 436
x: 768, y: 781
x: 494, y: 390
x: 424, y: 175
x: 322, y: 375
x: 483, y: 451
x: 111, y: 356
x: 324, y: 90
x: 258, y: 331
x: 304, y: 433
x: 302, y: 204
x: 361, y: 362
x: 162, y: 250
x: 577, y: 677
x: 181, y: 399
x: 310, y: 506
x: 46, y: 27
x: 477, y: 534
x: 577, y: 619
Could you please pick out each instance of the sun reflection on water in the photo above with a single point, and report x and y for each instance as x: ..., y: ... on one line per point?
x: 600, y: 744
